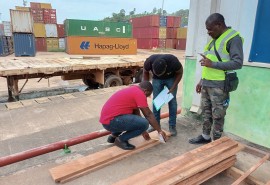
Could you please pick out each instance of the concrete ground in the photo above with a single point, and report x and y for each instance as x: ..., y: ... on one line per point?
x: 32, y: 123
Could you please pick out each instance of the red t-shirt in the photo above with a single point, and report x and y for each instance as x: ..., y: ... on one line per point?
x: 123, y: 102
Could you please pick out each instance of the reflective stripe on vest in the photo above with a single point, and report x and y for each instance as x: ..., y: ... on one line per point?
x: 221, y: 43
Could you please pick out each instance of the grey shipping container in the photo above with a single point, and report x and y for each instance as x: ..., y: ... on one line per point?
x: 6, y: 45
x: 90, y: 28
x: 21, y: 21
x: 51, y: 30
x: 24, y: 44
x: 7, y: 28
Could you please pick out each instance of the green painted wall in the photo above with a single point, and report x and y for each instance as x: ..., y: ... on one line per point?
x: 248, y: 115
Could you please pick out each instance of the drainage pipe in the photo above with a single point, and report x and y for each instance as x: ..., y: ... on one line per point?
x: 58, y: 145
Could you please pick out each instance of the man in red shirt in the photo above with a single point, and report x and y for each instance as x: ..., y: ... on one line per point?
x: 121, y: 115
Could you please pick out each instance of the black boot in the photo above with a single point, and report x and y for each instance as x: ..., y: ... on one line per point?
x: 123, y: 144
x: 173, y: 130
x: 199, y: 140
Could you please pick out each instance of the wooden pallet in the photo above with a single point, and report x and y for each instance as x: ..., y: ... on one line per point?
x: 84, y: 165
x: 195, y: 166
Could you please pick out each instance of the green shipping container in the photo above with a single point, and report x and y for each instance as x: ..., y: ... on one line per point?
x: 89, y: 28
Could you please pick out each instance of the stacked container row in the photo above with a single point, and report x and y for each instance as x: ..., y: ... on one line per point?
x: 155, y: 31
x: 49, y: 35
x: 99, y: 37
x: 23, y: 37
x: 181, y: 38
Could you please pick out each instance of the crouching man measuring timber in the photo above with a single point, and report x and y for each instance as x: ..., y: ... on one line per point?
x: 121, y: 115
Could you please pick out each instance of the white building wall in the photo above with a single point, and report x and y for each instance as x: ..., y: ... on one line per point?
x: 241, y: 14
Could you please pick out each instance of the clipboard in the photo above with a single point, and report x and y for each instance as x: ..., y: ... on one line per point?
x: 162, y: 98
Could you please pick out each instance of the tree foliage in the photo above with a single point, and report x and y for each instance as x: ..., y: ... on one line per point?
x: 123, y: 17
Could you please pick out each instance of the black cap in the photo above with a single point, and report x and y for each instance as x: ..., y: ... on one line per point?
x: 159, y: 67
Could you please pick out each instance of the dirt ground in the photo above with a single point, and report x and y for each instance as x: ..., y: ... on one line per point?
x: 61, y: 116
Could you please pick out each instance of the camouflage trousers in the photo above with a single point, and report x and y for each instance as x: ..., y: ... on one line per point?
x: 214, y: 103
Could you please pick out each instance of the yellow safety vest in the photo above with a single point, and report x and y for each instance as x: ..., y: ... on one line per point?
x: 209, y: 51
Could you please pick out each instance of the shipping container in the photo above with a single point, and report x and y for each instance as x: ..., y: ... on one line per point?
x: 37, y: 15
x: 145, y: 21
x: 60, y: 30
x: 46, y: 5
x: 21, y: 21
x: 51, y: 30
x: 41, y: 44
x: 39, y: 30
x: 49, y: 16
x: 151, y: 43
x: 162, y: 33
x: 181, y: 33
x: 181, y: 44
x: 171, y: 33
x: 6, y: 46
x: 173, y: 21
x: 1, y: 29
x: 62, y: 45
x: 7, y: 28
x: 34, y: 5
x: 163, y: 21
x: 22, y: 8
x: 162, y: 43
x: 171, y: 43
x: 146, y: 32
x: 24, y: 44
x: 52, y: 44
x: 101, y: 46
x: 97, y: 28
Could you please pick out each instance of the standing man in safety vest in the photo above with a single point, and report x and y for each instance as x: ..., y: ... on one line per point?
x: 214, y: 100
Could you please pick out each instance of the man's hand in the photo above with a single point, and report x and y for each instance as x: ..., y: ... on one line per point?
x: 171, y: 90
x: 199, y: 87
x: 163, y: 135
x: 206, y: 62
x: 146, y: 136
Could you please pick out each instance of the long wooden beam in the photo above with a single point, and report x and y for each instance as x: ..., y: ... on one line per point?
x: 79, y: 167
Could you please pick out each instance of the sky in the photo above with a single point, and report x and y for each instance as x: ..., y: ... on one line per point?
x: 95, y: 9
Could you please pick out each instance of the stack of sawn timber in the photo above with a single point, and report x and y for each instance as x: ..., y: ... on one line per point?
x: 84, y: 165
x: 193, y: 167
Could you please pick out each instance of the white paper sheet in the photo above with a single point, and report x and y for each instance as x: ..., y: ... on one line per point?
x: 163, y: 98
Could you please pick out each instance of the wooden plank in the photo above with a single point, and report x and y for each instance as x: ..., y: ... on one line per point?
x: 253, y: 168
x: 186, y: 172
x: 109, y: 162
x: 204, y: 152
x: 97, y: 160
x: 204, y: 175
x: 235, y: 173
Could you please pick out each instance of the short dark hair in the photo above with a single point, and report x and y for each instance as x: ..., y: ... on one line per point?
x: 146, y: 85
x: 159, y: 66
x: 215, y: 18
